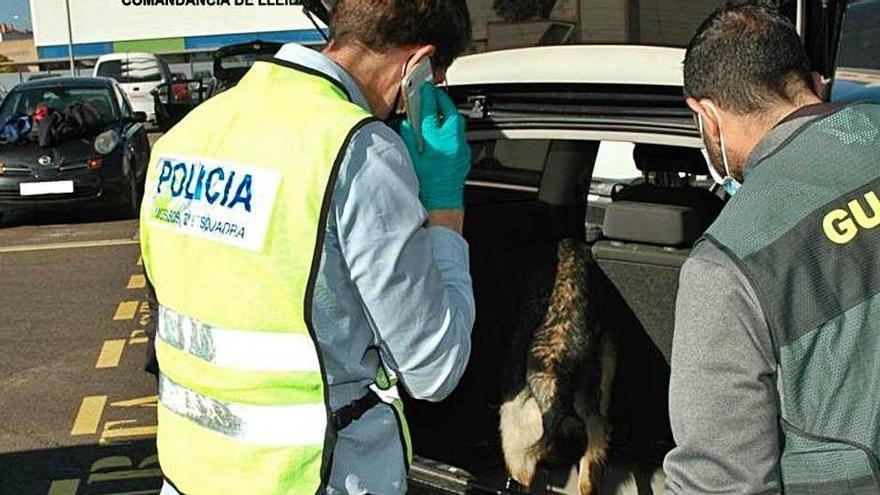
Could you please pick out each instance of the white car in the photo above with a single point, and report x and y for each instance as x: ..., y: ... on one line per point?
x: 593, y: 142
x: 138, y: 74
x: 586, y: 141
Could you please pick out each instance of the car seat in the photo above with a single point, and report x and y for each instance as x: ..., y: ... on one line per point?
x: 648, y: 230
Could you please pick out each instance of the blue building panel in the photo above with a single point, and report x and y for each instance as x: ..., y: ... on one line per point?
x: 79, y: 50
x: 216, y: 41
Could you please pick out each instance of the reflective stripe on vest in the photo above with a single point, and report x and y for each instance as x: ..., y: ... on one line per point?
x: 261, y: 425
x: 238, y: 349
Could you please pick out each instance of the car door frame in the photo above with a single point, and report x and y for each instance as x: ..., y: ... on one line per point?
x: 134, y: 135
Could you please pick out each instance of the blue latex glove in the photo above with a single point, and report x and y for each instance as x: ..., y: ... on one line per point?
x: 444, y: 165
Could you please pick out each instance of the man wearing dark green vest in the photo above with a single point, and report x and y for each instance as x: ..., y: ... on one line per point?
x: 776, y: 357
x: 308, y: 260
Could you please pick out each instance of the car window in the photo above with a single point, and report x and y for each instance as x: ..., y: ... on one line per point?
x: 124, y: 105
x: 615, y: 161
x: 131, y: 70
x: 857, y: 72
x: 520, y: 154
x: 26, y: 101
x: 242, y: 61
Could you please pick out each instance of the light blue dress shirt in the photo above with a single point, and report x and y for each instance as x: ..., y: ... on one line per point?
x: 388, y: 289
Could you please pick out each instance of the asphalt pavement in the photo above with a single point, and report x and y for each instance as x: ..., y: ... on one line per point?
x: 77, y: 411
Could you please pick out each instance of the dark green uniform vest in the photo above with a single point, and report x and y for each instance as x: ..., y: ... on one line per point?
x: 805, y: 229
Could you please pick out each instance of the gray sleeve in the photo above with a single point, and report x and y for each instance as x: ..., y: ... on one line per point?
x: 414, y: 282
x: 723, y: 404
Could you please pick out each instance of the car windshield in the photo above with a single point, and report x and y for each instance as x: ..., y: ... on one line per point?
x: 131, y: 70
x: 26, y: 101
x: 241, y: 61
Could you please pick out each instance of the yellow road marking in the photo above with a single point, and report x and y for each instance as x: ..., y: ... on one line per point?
x: 122, y: 469
x: 67, y: 245
x: 112, y: 462
x: 137, y: 282
x: 125, y: 475
x: 89, y: 415
x: 117, y: 429
x: 147, y: 401
x: 126, y: 310
x: 111, y: 353
x: 140, y: 261
x: 138, y: 337
x: 63, y: 487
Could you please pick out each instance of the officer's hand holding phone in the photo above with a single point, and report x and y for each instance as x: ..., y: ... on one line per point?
x: 445, y: 162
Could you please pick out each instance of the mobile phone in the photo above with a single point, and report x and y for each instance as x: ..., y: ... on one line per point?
x: 412, y: 97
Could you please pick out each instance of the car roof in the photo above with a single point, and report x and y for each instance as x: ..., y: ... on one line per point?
x: 566, y: 64
x: 124, y: 55
x: 77, y: 82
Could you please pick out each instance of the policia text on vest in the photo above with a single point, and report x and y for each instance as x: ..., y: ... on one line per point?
x: 211, y: 184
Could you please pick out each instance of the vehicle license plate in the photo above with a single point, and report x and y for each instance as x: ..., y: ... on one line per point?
x: 53, y: 187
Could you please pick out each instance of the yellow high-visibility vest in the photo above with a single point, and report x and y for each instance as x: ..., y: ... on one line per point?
x: 232, y: 224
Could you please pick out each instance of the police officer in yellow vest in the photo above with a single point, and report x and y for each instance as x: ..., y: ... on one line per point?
x: 305, y: 262
x: 775, y: 382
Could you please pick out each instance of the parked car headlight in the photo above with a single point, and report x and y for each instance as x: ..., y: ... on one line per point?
x: 106, y: 142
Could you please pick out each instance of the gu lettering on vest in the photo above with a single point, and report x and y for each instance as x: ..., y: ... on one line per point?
x: 223, y: 201
x: 842, y: 225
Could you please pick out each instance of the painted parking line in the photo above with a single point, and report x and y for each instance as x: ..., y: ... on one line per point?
x: 137, y: 282
x: 138, y: 337
x: 68, y: 245
x: 147, y: 401
x: 89, y: 415
x: 126, y: 310
x: 111, y: 353
x: 64, y: 487
x: 114, y: 430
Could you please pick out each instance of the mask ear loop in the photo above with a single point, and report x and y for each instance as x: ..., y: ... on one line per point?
x: 720, y: 137
x: 716, y: 176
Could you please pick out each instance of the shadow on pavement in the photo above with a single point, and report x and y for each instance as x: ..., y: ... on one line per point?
x: 131, y: 468
x: 59, y: 215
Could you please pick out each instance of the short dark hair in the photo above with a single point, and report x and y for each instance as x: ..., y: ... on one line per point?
x: 382, y: 24
x: 746, y: 58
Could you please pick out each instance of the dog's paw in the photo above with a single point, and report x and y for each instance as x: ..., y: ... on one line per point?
x: 521, y: 429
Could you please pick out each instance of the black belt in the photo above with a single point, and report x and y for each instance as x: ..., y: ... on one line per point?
x: 347, y: 415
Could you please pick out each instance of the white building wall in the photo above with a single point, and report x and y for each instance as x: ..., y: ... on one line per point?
x: 109, y: 20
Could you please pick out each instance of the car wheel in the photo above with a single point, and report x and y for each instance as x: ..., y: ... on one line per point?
x: 132, y: 197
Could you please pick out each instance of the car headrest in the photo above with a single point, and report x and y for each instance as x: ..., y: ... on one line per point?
x: 650, y: 223
x: 659, y: 157
x: 566, y: 164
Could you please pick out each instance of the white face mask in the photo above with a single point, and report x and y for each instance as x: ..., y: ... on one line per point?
x: 729, y: 184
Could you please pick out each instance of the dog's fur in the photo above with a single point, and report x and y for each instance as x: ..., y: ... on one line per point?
x: 560, y: 411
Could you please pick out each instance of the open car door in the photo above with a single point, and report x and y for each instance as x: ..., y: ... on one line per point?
x: 178, y: 97
x: 233, y: 61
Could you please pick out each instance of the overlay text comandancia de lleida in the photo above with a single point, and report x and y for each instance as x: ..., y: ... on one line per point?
x: 211, y: 3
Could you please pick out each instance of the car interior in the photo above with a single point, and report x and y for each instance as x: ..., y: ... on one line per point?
x: 639, y: 237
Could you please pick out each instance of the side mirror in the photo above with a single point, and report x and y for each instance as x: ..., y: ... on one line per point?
x: 139, y: 117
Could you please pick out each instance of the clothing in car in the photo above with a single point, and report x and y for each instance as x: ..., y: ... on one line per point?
x: 388, y: 291
x: 733, y: 384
